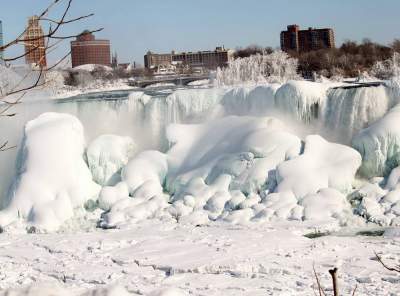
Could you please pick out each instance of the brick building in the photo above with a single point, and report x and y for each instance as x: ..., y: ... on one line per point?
x: 220, y: 57
x: 86, y: 49
x: 35, y: 49
x: 306, y: 40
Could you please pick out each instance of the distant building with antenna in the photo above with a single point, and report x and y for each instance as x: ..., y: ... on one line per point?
x: 35, y: 48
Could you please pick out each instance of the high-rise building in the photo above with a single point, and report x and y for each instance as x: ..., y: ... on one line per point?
x: 1, y: 43
x: 86, y: 49
x: 35, y: 48
x: 219, y: 57
x: 298, y: 40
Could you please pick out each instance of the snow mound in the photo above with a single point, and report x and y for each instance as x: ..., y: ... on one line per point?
x: 107, y: 155
x: 52, y: 177
x: 235, y: 169
x: 322, y: 165
x: 379, y: 145
x: 243, y: 147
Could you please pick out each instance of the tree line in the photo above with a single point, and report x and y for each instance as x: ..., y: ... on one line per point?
x: 349, y: 60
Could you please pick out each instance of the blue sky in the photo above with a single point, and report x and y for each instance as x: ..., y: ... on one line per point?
x: 135, y: 26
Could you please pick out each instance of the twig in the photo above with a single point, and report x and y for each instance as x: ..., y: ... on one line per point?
x: 396, y: 268
x: 320, y: 290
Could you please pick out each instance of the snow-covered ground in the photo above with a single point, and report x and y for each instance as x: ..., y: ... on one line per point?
x: 219, y: 259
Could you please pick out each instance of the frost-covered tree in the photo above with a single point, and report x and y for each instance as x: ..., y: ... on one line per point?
x: 274, y: 67
x: 387, y: 69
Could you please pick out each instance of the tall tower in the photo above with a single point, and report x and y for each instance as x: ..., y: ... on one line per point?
x: 35, y: 48
x: 1, y: 43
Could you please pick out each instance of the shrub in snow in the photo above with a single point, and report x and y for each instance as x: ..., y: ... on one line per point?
x: 275, y: 67
x: 52, y: 177
x: 106, y: 156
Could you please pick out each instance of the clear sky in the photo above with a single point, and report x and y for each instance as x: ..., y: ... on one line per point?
x: 135, y: 26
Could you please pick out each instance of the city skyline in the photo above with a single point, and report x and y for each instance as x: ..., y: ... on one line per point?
x: 138, y: 26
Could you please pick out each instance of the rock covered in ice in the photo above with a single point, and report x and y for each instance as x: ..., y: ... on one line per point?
x: 52, y: 177
x: 140, y: 194
x: 107, y: 155
x: 379, y: 145
x: 322, y: 165
x: 148, y: 166
x: 324, y: 205
x: 379, y: 202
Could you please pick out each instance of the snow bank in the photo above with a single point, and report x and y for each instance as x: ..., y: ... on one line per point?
x: 322, y: 165
x: 107, y: 155
x: 52, y: 177
x: 379, y: 145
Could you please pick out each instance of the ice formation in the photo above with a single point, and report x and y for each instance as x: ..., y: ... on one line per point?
x: 347, y: 111
x: 107, y: 155
x: 322, y: 165
x: 52, y: 177
x: 379, y: 145
x: 301, y: 98
x: 230, y: 153
x: 236, y: 169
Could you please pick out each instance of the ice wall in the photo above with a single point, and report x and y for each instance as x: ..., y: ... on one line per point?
x: 347, y: 111
x: 379, y: 145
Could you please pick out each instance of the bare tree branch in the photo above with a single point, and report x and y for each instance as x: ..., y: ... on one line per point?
x: 52, y: 40
x: 390, y: 268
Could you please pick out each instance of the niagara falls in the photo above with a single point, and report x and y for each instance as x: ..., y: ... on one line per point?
x: 258, y: 170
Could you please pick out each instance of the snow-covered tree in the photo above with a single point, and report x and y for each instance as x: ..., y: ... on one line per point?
x: 275, y: 67
x: 387, y: 69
